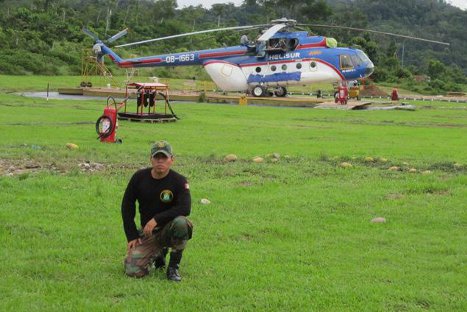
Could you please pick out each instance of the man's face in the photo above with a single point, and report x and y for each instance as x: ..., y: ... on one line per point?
x: 161, y: 163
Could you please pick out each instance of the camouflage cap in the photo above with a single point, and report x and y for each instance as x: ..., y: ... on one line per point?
x: 161, y: 147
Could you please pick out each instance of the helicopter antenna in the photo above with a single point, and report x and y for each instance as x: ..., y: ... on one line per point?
x: 376, y: 32
x: 190, y: 34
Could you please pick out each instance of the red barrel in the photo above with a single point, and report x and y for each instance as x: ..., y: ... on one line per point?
x: 106, y: 125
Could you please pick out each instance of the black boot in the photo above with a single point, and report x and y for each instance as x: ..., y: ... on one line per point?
x: 174, y: 264
x: 159, y: 262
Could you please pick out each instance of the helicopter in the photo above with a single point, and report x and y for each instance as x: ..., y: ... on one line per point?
x: 278, y: 58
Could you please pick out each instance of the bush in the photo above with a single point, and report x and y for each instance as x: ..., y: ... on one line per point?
x: 438, y: 85
x: 402, y: 73
x: 380, y: 74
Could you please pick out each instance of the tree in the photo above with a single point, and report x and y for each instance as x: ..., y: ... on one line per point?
x: 436, y: 69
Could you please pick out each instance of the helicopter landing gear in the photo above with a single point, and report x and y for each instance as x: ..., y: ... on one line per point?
x: 258, y: 91
x: 280, y: 91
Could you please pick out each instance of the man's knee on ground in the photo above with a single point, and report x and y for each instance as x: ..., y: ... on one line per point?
x: 138, y: 273
x: 181, y: 228
x: 133, y: 265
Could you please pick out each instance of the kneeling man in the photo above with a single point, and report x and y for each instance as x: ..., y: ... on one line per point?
x: 164, y: 202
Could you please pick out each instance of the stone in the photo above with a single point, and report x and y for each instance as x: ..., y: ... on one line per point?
x: 276, y: 155
x: 72, y: 146
x: 230, y: 157
x: 369, y: 159
x: 205, y: 201
x: 413, y: 170
x: 394, y: 168
x: 378, y: 220
x: 346, y: 165
x: 258, y: 159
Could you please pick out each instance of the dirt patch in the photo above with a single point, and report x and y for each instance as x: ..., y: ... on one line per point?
x: 372, y: 90
x: 11, y: 168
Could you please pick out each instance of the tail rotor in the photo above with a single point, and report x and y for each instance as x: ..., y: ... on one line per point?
x: 99, y: 44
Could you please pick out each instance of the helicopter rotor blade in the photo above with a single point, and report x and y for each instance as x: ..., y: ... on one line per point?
x: 118, y: 35
x: 377, y: 32
x: 271, y: 32
x: 189, y: 34
x: 90, y: 34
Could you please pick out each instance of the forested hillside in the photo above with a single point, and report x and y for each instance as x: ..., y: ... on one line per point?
x: 45, y: 37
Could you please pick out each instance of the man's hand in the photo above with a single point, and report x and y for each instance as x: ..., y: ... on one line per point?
x: 149, y: 227
x: 133, y: 244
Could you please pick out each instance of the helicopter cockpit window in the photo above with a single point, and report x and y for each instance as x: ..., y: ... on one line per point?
x: 346, y: 62
x: 355, y: 60
x: 362, y: 56
x: 276, y: 44
x: 292, y: 44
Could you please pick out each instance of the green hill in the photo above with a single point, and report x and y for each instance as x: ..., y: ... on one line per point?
x: 44, y: 36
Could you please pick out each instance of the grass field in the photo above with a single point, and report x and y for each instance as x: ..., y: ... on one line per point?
x: 290, y: 235
x: 40, y: 83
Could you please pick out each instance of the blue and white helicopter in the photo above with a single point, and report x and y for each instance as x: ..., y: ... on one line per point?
x: 278, y: 58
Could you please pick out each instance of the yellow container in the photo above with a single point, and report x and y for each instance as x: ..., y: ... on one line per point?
x: 242, y: 101
x: 354, y: 92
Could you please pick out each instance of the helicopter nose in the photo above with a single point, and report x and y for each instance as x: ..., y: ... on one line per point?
x: 369, y: 69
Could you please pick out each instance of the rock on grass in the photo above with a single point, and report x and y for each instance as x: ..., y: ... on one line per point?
x: 230, y: 158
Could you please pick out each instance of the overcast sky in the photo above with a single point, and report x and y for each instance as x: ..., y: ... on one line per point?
x: 207, y: 3
x: 459, y: 3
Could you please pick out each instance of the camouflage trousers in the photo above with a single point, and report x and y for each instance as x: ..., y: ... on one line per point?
x: 174, y: 234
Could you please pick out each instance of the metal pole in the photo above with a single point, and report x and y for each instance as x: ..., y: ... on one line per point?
x: 403, y: 51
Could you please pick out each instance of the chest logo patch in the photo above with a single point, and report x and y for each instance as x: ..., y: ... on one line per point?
x: 166, y: 196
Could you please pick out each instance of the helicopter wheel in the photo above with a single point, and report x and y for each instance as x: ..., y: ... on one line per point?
x: 280, y: 91
x: 258, y: 91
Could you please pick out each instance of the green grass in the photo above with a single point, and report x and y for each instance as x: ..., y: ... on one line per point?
x: 40, y: 83
x: 292, y: 235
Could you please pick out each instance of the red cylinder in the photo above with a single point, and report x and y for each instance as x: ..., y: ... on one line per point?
x: 109, y: 125
x: 342, y: 95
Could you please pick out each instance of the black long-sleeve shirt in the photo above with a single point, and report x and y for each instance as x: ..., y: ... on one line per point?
x: 163, y: 200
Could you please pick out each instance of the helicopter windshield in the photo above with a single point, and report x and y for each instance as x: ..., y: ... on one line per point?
x: 366, y: 62
x: 363, y: 57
